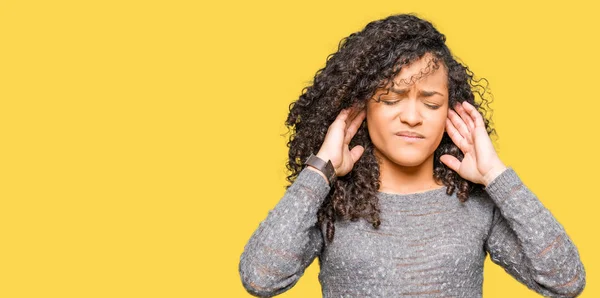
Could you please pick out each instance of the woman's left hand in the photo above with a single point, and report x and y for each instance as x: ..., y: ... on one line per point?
x: 466, y: 128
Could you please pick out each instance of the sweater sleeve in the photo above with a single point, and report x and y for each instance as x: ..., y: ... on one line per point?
x: 287, y: 241
x: 529, y: 243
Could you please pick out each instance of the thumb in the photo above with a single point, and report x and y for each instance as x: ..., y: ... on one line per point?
x: 356, y: 153
x: 451, y: 161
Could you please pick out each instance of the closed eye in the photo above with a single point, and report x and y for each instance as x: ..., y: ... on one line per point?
x: 389, y: 103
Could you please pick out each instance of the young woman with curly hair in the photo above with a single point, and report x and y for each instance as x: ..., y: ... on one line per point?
x: 395, y: 185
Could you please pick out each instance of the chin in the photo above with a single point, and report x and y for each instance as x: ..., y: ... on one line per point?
x: 408, y: 162
x: 407, y: 159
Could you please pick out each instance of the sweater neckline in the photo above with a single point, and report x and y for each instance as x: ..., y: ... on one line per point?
x: 425, y: 193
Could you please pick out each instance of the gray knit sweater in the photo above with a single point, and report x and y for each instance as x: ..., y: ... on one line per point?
x: 429, y: 244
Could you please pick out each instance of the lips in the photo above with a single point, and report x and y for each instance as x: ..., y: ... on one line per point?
x: 410, y: 134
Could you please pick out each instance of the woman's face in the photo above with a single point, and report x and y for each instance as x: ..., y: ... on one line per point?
x: 420, y: 107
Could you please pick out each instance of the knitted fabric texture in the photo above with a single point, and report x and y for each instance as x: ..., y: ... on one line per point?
x: 429, y: 244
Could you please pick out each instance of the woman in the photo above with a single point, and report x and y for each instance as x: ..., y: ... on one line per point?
x: 406, y: 194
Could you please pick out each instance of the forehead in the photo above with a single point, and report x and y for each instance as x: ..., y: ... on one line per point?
x: 425, y: 71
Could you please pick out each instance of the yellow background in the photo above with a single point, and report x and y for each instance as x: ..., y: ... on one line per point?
x: 141, y: 141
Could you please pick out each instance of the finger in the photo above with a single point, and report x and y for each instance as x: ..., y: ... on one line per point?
x: 474, y: 114
x: 467, y: 120
x: 348, y: 118
x: 460, y: 125
x: 465, y: 116
x: 340, y: 120
x: 354, y: 125
x: 451, y: 161
x: 356, y: 153
x: 456, y: 137
x: 353, y: 111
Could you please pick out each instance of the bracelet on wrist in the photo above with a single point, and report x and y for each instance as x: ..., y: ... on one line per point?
x: 325, y: 167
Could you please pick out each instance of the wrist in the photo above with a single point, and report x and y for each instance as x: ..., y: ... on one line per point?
x: 493, y: 174
x: 323, y: 165
x: 323, y: 156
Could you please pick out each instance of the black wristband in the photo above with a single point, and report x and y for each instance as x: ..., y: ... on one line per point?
x: 325, y: 167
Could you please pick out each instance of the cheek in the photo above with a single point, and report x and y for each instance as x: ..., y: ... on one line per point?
x: 438, y: 121
x: 438, y: 128
x: 379, y: 123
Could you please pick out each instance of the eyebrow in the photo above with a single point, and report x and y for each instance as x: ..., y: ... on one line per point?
x: 421, y: 92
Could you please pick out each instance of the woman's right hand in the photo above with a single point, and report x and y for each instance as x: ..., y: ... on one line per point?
x: 335, y: 147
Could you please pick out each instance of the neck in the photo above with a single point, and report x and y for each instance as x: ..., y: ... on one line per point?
x: 400, y: 179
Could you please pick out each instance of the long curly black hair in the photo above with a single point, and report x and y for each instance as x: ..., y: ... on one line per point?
x: 365, y: 61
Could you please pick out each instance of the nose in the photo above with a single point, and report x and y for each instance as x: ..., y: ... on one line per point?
x: 410, y: 113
